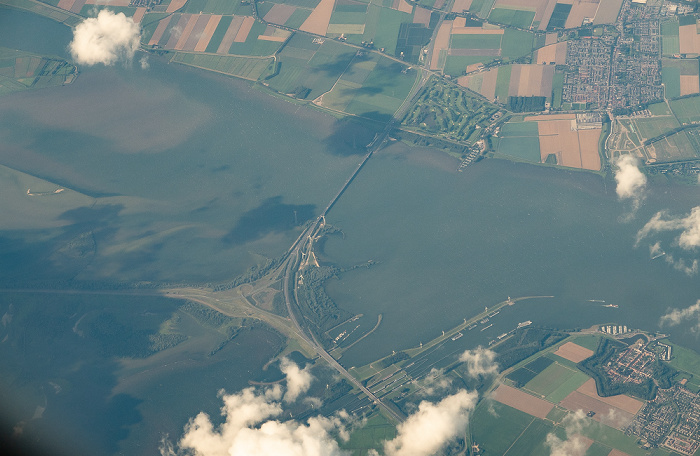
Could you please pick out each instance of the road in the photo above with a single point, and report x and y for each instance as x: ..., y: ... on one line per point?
x: 303, y: 245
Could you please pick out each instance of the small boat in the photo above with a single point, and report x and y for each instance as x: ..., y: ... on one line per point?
x: 524, y: 324
x: 457, y: 336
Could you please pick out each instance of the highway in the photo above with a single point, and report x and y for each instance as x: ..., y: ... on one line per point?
x: 303, y: 245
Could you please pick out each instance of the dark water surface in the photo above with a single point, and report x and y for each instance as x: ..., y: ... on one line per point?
x: 448, y: 244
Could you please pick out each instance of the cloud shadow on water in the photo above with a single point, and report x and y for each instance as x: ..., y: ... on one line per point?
x: 272, y: 216
x: 350, y: 137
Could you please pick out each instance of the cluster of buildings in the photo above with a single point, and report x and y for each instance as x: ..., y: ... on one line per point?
x: 617, y: 69
x: 613, y: 329
x: 635, y: 364
x: 672, y: 420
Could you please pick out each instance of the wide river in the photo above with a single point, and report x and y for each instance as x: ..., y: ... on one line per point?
x: 175, y: 175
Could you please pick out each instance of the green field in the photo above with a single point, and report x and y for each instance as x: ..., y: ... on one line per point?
x: 550, y: 380
x: 671, y: 72
x: 516, y: 43
x: 588, y: 341
x: 687, y: 109
x: 519, y: 140
x: 514, y: 17
x: 617, y: 439
x: 216, y: 7
x: 675, y: 147
x: 241, y: 67
x: 685, y: 359
x: 671, y: 78
x: 21, y: 71
x: 372, y: 87
x: 370, y: 436
x: 475, y: 41
x: 651, y: 127
x: 567, y: 387
x: 385, y: 30
x: 496, y: 430
x: 659, y: 109
x: 303, y: 63
x: 670, y: 43
x: 503, y: 83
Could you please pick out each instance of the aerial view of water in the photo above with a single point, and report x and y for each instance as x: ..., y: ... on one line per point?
x: 173, y: 175
x: 447, y: 244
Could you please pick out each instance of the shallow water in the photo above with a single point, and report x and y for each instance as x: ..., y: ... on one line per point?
x: 448, y: 244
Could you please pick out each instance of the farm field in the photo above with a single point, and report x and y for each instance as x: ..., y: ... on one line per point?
x: 651, y: 127
x: 370, y: 436
x: 371, y: 86
x: 680, y: 77
x: 310, y: 65
x: 460, y: 49
x: 672, y: 148
x: 573, y: 352
x: 238, y: 35
x: 518, y: 80
x: 547, y: 14
x: 687, y: 110
x: 519, y: 140
x: 449, y: 112
x: 547, y: 381
x: 554, y: 139
x: 249, y: 68
x: 670, y: 40
x: 689, y: 39
x: 21, y: 71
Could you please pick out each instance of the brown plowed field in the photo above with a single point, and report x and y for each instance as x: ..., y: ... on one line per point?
x: 191, y: 22
x: 522, y: 401
x: 208, y: 33
x: 422, y: 16
x: 552, y: 53
x: 158, y: 34
x: 604, y: 413
x: 196, y: 32
x: 138, y: 15
x: 581, y: 9
x: 689, y: 39
x: 66, y: 4
x: 77, y: 6
x: 689, y: 84
x: 442, y: 42
x: 279, y: 13
x: 573, y: 352
x: 531, y: 80
x: 575, y: 149
x: 461, y: 5
x: 230, y: 35
x: 620, y: 401
x: 318, y: 20
x: 615, y: 452
x: 243, y: 32
x: 607, y: 11
x: 175, y: 5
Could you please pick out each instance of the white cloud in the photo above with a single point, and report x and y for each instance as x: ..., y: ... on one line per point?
x: 689, y: 226
x: 249, y: 429
x: 434, y: 425
x: 106, y: 39
x: 480, y: 361
x: 630, y: 180
x: 435, y: 382
x: 677, y: 316
x: 575, y: 444
x: 144, y: 63
x: 298, y: 380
